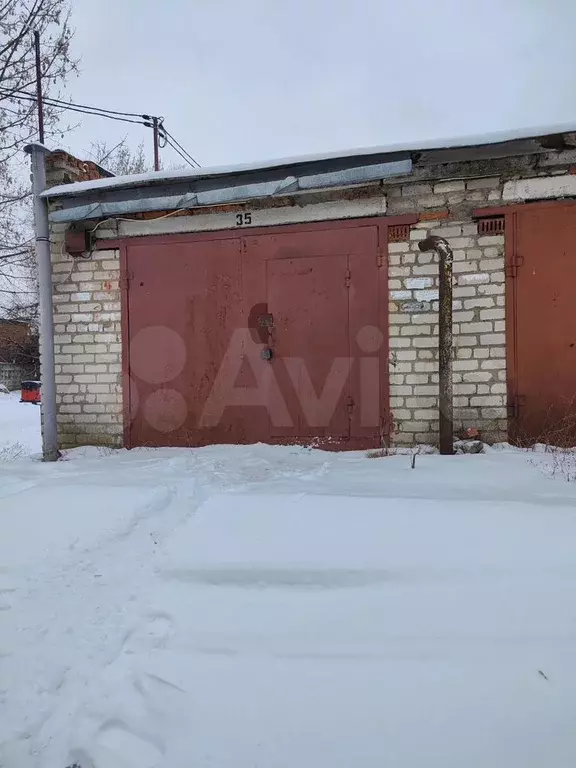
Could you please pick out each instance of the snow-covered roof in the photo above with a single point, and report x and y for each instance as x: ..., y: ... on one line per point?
x: 158, y: 177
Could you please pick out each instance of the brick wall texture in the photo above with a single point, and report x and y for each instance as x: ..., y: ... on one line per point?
x: 88, y: 348
x: 478, y: 315
x: 88, y: 328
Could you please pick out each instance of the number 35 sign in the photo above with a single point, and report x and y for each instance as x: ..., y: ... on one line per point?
x: 242, y: 219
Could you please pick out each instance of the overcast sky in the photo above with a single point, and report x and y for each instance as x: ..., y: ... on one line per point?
x: 247, y: 80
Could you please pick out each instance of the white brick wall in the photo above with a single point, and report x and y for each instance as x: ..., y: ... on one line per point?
x: 479, y: 323
x: 88, y: 346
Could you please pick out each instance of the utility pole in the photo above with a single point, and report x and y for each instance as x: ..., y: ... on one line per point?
x: 47, y: 367
x: 156, y: 144
x: 446, y: 426
x: 39, y: 88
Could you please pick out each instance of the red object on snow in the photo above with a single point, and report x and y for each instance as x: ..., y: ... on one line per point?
x: 472, y: 432
x: 30, y: 392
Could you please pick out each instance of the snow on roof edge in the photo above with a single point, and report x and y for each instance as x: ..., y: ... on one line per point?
x: 142, y: 179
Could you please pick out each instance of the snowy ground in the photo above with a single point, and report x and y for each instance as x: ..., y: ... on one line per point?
x: 283, y: 608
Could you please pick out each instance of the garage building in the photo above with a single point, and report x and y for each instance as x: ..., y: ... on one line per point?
x: 288, y: 302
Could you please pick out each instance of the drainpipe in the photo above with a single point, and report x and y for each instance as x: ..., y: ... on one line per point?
x: 442, y: 248
x: 47, y: 375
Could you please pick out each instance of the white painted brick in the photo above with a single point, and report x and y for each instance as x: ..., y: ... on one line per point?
x: 476, y: 302
x: 463, y: 291
x: 425, y: 269
x: 424, y: 342
x: 497, y: 313
x: 417, y: 378
x: 493, y: 339
x: 414, y: 426
x: 465, y: 365
x: 398, y: 271
x: 400, y: 295
x: 490, y: 265
x: 422, y: 402
x: 462, y: 242
x: 485, y: 400
x: 465, y: 389
x: 463, y: 316
x: 412, y: 190
x: 443, y: 187
x: 491, y: 240
x: 423, y: 318
x: 430, y: 295
x: 406, y: 354
x: 426, y: 389
x: 477, y: 375
x: 426, y: 414
x: 425, y: 366
x: 491, y: 290
x: 450, y: 230
x: 418, y: 234
x: 465, y: 341
x: 482, y: 327
x: 402, y: 389
x: 398, y: 247
x: 474, y: 278
x: 419, y: 282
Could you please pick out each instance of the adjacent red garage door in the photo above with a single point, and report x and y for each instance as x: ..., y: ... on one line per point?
x: 277, y: 336
x: 542, y: 338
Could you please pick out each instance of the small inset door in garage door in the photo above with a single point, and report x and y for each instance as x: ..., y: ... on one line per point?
x: 308, y: 302
x: 542, y: 338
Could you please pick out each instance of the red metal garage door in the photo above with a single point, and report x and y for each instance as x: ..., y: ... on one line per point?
x: 542, y: 339
x: 279, y: 335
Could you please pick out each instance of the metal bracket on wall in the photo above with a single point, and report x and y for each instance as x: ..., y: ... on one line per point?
x: 512, y: 266
x: 514, y: 405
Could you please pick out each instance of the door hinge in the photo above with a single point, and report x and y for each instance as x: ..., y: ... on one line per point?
x: 349, y: 404
x: 514, y: 405
x: 512, y: 267
x: 124, y: 281
x: 347, y: 278
x: 381, y: 256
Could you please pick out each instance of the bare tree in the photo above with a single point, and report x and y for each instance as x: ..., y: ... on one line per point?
x: 18, y: 126
x: 120, y: 159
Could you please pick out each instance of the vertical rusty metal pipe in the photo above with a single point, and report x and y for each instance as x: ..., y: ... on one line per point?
x: 446, y: 428
x: 39, y: 102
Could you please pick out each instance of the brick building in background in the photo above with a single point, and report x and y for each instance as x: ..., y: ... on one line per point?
x: 289, y: 302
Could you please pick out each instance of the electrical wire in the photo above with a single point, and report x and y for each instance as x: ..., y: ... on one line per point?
x: 126, y: 117
x: 168, y: 136
x: 65, y: 106
x: 182, y: 155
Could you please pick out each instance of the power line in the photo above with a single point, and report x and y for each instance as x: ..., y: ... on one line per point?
x: 110, y: 114
x: 70, y: 106
x: 182, y: 155
x: 168, y: 136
